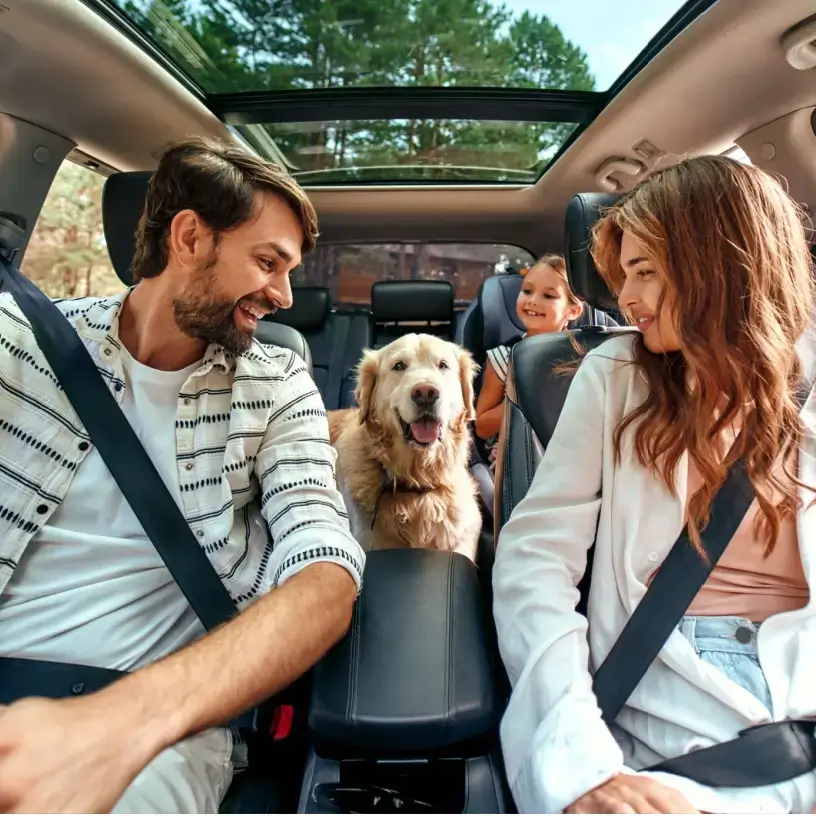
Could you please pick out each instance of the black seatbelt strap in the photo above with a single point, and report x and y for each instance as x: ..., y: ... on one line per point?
x: 679, y: 579
x: 121, y: 451
x: 124, y: 456
x: 763, y: 755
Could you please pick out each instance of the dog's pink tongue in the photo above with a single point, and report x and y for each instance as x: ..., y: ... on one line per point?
x: 425, y: 431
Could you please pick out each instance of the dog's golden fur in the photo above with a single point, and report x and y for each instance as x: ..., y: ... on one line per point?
x: 378, y: 469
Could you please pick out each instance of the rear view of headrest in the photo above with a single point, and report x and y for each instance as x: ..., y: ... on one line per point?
x: 310, y: 309
x: 123, y: 199
x: 402, y: 301
x: 583, y: 211
x: 498, y: 297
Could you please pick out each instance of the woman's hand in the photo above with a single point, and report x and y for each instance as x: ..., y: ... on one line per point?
x: 629, y: 793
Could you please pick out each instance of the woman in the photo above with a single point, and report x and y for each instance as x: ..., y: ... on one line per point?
x: 709, y: 260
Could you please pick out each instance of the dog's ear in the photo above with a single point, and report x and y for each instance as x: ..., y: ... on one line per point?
x: 467, y: 373
x: 366, y: 373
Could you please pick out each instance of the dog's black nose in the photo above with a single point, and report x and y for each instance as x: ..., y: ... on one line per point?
x: 425, y: 395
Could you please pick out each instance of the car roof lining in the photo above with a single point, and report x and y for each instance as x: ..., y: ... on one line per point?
x: 699, y: 94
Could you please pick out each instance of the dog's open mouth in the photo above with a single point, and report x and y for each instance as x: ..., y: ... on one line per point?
x: 424, y: 431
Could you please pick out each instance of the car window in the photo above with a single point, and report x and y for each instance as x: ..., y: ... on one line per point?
x: 67, y: 255
x: 349, y: 270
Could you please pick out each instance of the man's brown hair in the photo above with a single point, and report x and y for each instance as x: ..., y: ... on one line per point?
x: 219, y: 182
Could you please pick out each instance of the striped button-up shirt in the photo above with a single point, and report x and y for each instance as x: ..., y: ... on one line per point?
x: 255, y: 467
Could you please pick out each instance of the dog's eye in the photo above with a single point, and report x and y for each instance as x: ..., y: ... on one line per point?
x: 443, y: 364
x: 399, y: 366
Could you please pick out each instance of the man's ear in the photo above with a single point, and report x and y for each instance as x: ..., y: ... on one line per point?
x: 467, y: 373
x: 366, y: 373
x: 188, y: 239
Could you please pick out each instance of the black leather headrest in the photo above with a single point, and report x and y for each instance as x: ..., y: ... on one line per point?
x: 123, y: 199
x: 275, y: 334
x: 583, y: 211
x: 400, y: 301
x: 310, y: 309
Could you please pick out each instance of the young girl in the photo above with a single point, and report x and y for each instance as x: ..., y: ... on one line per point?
x: 709, y: 260
x: 545, y: 304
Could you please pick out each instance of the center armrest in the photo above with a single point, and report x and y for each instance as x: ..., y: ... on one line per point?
x: 413, y: 673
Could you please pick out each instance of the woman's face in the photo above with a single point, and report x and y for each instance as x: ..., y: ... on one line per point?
x: 543, y: 303
x: 640, y: 297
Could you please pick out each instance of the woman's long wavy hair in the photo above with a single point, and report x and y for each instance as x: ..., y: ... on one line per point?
x: 731, y: 246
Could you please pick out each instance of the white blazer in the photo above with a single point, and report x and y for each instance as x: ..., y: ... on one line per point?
x: 556, y: 745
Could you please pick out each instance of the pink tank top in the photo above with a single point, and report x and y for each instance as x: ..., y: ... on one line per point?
x: 747, y: 584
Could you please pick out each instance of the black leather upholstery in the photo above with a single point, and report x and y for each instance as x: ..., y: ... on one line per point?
x: 326, y: 349
x: 583, y: 211
x: 535, y: 396
x: 310, y: 309
x: 413, y: 673
x: 497, y: 298
x: 400, y: 301
x: 335, y: 338
x: 536, y: 390
x: 403, y: 307
x: 122, y: 203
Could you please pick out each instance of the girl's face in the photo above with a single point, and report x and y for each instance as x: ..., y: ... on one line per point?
x: 640, y: 297
x: 543, y: 303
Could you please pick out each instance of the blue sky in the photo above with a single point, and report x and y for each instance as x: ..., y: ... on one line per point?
x: 611, y: 32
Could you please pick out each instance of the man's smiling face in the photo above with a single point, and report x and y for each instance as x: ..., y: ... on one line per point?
x: 244, y: 276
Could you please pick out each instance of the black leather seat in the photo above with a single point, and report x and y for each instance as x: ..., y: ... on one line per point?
x: 258, y: 789
x: 491, y: 320
x: 403, y: 307
x: 336, y: 340
x: 536, y: 390
x: 122, y: 204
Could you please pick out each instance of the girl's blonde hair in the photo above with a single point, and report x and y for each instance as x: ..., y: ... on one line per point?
x: 559, y: 264
x: 739, y: 285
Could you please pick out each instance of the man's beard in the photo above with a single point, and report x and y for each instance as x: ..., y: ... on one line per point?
x: 202, y: 312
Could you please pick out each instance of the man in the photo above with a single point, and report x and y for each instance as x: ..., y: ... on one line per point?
x: 238, y: 432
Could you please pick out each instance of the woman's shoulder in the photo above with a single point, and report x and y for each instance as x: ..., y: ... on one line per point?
x: 612, y: 357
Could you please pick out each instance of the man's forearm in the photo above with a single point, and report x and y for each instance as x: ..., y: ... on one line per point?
x: 240, y: 664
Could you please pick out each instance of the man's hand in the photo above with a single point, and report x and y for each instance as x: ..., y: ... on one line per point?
x: 80, y: 754
x: 627, y: 793
x: 67, y: 756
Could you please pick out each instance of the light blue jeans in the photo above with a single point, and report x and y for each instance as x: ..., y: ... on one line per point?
x: 730, y: 644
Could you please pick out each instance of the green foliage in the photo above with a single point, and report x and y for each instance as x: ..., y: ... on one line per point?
x: 233, y: 45
x: 67, y: 255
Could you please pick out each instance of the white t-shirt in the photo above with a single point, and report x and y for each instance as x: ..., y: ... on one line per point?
x: 91, y: 588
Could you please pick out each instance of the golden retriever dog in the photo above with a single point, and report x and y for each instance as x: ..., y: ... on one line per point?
x: 403, y: 454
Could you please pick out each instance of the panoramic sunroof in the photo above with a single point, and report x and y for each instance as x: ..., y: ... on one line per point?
x: 412, y: 150
x: 233, y: 48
